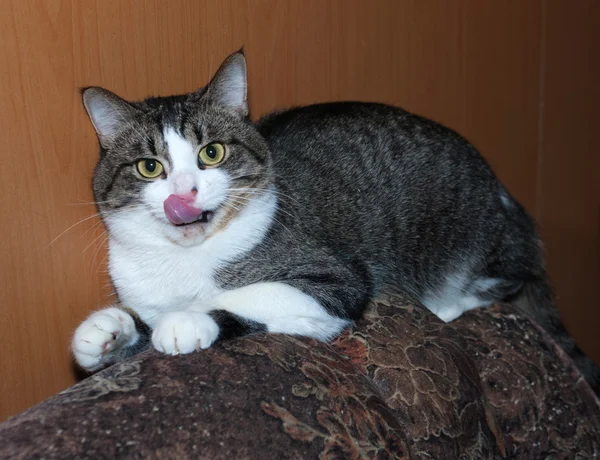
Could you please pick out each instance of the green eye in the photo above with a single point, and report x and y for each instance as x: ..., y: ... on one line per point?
x: 150, y: 168
x: 212, y: 154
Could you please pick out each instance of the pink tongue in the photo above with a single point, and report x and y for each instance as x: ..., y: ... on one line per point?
x: 179, y: 211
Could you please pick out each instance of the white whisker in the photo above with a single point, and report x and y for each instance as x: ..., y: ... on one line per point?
x: 101, y: 245
x: 94, y: 240
x: 72, y: 226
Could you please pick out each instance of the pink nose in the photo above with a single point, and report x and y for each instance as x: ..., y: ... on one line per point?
x: 179, y: 209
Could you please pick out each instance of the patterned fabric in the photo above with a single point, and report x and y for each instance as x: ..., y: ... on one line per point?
x: 401, y: 384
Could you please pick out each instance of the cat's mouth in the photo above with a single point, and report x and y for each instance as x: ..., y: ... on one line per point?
x: 204, y: 218
x: 181, y: 212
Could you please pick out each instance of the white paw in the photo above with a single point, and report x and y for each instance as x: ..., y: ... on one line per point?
x: 449, y: 313
x: 184, y: 332
x: 101, y: 335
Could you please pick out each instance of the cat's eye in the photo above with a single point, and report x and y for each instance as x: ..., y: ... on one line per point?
x: 150, y: 168
x: 212, y: 154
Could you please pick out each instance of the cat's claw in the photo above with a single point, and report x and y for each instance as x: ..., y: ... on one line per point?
x: 101, y: 335
x: 184, y: 332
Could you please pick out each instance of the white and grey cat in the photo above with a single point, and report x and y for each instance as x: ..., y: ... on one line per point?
x: 220, y: 227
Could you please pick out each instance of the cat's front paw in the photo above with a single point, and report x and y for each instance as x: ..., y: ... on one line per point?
x: 101, y: 336
x: 184, y: 332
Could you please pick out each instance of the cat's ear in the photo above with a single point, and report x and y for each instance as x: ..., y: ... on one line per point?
x: 108, y: 113
x: 229, y: 87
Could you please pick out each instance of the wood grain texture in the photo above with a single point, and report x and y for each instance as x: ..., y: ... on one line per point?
x: 570, y: 164
x: 472, y: 65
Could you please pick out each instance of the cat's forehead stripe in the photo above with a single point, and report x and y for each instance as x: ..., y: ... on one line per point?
x: 180, y: 149
x: 151, y: 145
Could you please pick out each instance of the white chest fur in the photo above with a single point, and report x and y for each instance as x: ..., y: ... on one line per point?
x: 153, y: 275
x: 161, y: 279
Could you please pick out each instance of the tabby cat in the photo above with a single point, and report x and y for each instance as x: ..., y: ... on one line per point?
x: 219, y: 226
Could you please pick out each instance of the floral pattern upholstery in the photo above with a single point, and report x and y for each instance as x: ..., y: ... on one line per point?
x: 401, y: 384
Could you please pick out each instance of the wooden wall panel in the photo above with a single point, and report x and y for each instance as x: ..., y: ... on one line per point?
x: 472, y: 65
x: 570, y: 164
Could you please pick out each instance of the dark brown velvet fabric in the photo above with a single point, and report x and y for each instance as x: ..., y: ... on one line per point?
x: 402, y: 384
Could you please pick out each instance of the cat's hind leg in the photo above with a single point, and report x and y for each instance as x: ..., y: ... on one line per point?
x: 461, y: 293
x: 107, y: 336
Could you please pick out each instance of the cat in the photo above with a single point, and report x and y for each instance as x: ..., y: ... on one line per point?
x: 220, y: 227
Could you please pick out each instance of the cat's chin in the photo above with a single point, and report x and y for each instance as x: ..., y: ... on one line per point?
x: 192, y: 234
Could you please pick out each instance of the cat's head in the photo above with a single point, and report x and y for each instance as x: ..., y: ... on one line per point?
x: 180, y: 167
